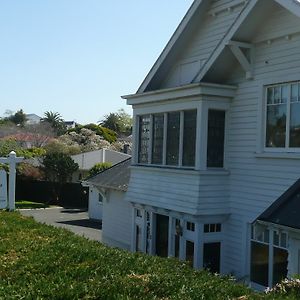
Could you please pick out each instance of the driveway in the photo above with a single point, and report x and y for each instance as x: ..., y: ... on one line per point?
x: 75, y: 220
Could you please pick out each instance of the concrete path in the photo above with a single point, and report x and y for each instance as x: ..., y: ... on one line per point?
x: 75, y: 220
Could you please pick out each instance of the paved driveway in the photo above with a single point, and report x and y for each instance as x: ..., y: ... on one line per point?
x: 75, y: 220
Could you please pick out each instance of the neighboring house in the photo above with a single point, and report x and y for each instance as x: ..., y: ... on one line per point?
x: 70, y: 124
x: 28, y: 140
x: 32, y: 119
x: 106, y: 202
x: 216, y: 142
x: 87, y: 160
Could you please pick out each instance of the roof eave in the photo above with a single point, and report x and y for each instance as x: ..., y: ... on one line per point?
x: 183, y: 24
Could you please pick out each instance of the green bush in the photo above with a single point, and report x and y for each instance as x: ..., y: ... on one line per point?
x: 99, y: 167
x: 107, y: 134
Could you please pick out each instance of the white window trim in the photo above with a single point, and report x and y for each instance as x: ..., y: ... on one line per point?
x: 267, y: 152
x: 271, y: 246
x: 202, y: 107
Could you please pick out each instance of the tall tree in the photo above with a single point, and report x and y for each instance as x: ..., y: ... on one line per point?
x: 56, y: 121
x: 120, y: 122
x: 19, y: 118
x: 59, y: 167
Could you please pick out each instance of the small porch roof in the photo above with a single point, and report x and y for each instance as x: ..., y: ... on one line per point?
x: 115, y: 178
x: 286, y: 209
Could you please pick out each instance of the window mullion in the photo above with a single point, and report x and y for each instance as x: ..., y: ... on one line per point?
x: 165, y: 139
x: 288, y: 118
x: 181, y: 138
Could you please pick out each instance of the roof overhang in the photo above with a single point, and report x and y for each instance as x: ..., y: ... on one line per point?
x: 189, y: 21
x: 186, y: 91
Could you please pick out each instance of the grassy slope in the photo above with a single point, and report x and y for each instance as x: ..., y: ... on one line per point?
x: 43, y: 262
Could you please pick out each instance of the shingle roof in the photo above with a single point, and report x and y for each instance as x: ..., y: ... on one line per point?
x: 285, y: 210
x: 116, y: 177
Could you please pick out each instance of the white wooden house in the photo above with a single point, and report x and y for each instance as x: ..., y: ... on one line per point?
x: 217, y: 141
x: 107, y: 203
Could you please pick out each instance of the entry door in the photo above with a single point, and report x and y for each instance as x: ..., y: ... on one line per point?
x: 162, y: 230
x: 212, y: 256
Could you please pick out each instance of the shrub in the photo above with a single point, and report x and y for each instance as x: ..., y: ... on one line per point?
x: 99, y: 167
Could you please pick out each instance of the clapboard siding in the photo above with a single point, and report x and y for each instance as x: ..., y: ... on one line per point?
x: 116, y: 223
x: 202, y: 43
x: 192, y: 193
x: 256, y: 182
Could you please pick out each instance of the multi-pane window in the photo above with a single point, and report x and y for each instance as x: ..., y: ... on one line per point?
x: 209, y: 228
x: 215, y: 138
x: 263, y: 252
x: 170, y: 138
x: 144, y: 138
x: 283, y: 116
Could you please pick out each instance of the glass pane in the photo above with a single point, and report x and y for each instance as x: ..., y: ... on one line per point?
x: 270, y: 96
x: 215, y: 138
x: 294, y: 92
x: 295, y: 125
x: 277, y: 94
x: 189, y: 138
x: 284, y: 93
x: 259, y: 263
x: 138, y: 241
x: 173, y: 138
x: 283, y: 240
x: 206, y: 228
x: 276, y: 120
x: 190, y: 252
x: 276, y: 238
x: 218, y: 227
x: 211, y: 257
x: 279, y: 265
x: 158, y: 135
x: 144, y: 137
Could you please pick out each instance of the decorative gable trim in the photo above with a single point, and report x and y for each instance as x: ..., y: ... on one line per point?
x: 226, y: 40
x: 172, y: 42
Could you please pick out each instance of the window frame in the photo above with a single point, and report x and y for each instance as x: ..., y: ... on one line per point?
x: 271, y: 245
x: 164, y: 146
x: 286, y: 149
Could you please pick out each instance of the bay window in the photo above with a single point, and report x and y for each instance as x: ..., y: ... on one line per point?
x: 283, y: 116
x: 170, y: 138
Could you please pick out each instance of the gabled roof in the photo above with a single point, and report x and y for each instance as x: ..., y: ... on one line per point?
x: 183, y: 29
x: 115, y: 178
x: 286, y: 209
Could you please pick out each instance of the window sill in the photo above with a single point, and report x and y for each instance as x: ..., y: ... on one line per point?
x: 180, y: 170
x: 278, y: 155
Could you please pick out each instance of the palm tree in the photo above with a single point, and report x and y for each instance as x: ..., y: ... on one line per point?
x: 56, y: 121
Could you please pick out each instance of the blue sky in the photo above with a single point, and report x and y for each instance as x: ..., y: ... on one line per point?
x: 77, y: 57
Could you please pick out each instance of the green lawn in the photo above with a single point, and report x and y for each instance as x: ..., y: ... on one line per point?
x: 42, y: 262
x: 30, y: 204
